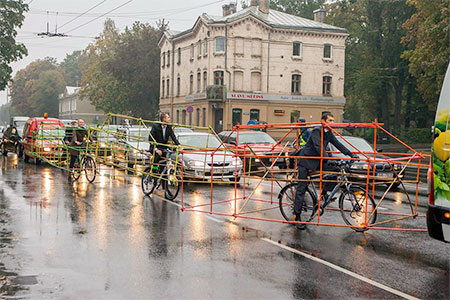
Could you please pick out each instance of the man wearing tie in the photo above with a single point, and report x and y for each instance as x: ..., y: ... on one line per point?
x: 159, y: 136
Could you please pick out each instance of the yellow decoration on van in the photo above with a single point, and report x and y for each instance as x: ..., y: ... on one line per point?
x: 440, y: 144
x: 443, y: 115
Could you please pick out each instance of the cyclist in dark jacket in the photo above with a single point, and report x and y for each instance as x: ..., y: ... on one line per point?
x: 314, y: 147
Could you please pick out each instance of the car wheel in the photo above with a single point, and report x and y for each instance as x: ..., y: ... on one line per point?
x: 25, y: 158
x: 37, y: 161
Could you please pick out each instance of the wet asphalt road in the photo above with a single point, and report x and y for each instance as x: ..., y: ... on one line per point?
x: 107, y: 241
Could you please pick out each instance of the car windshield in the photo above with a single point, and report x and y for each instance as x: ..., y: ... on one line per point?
x: 135, y: 134
x: 360, y: 143
x: 255, y: 138
x: 20, y: 124
x: 199, y: 141
x: 52, y: 133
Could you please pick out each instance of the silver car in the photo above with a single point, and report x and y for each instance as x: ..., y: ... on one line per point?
x: 203, y: 155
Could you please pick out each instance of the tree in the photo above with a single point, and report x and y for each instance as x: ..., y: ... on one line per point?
x: 121, y: 71
x: 46, y: 91
x: 29, y: 85
x: 11, y: 17
x: 72, y: 70
x: 429, y: 37
x: 301, y: 8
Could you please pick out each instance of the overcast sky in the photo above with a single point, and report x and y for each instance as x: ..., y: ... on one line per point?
x: 66, y: 13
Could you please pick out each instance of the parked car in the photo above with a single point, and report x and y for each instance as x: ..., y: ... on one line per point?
x: 359, y: 168
x: 182, y: 129
x: 103, y: 143
x: 261, y: 143
x: 10, y: 141
x: 43, y: 139
x: 204, y: 159
x: 131, y: 144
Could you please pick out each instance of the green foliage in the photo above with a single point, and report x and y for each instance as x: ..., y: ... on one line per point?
x: 46, y: 90
x: 429, y: 38
x: 11, y: 17
x: 121, y: 70
x: 71, y: 67
x: 36, y: 86
x: 377, y: 83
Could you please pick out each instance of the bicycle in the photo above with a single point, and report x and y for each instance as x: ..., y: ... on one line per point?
x: 85, y: 164
x: 352, y: 201
x: 169, y: 178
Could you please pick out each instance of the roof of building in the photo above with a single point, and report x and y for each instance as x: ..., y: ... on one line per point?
x: 274, y: 18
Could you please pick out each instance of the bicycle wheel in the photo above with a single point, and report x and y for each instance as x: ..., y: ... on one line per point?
x: 76, y: 170
x: 148, y: 184
x: 353, y: 206
x: 286, y: 199
x: 90, y: 168
x: 172, y: 183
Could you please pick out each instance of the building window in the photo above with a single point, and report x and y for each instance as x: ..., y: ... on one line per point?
x: 204, y: 117
x: 297, y: 49
x: 254, y: 114
x: 197, y: 117
x: 256, y: 81
x: 163, y: 59
x: 295, y: 86
x: 163, y: 87
x: 295, y: 114
x: 183, y: 117
x: 238, y: 81
x: 178, y: 116
x: 179, y: 56
x: 220, y: 44
x: 168, y: 58
x: 327, y: 51
x: 192, y: 51
x: 205, y: 80
x: 191, y: 84
x: 256, y: 47
x: 205, y: 47
x: 199, y: 82
x: 168, y: 88
x: 199, y: 50
x: 218, y: 77
x: 237, y: 116
x: 326, y: 86
x: 178, y: 86
x: 239, y: 45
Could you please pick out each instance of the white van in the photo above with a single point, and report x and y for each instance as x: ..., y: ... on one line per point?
x: 438, y: 214
x: 19, y: 123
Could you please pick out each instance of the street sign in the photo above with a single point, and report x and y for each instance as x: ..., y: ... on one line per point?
x: 190, y: 109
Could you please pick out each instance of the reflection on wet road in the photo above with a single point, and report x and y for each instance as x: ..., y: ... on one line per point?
x: 106, y: 240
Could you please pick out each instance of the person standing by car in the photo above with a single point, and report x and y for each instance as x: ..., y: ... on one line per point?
x: 159, y: 136
x: 79, y: 137
x: 314, y: 147
x: 69, y: 132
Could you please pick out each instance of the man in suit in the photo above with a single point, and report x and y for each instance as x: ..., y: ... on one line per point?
x: 159, y: 136
x: 314, y: 147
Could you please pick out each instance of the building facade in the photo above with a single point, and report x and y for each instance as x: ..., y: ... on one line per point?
x: 72, y: 107
x: 253, y: 64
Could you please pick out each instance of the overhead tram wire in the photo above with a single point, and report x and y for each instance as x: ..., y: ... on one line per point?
x: 82, y: 14
x: 102, y: 15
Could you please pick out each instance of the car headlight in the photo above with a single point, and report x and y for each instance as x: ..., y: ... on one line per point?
x: 359, y: 167
x: 47, y: 149
x: 196, y: 163
x: 236, y: 162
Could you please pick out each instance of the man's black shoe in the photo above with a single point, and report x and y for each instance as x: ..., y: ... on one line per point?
x: 298, y: 225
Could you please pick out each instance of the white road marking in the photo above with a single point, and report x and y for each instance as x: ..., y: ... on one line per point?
x: 345, y: 271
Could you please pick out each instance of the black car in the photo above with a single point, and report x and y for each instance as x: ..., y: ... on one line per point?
x: 11, y: 141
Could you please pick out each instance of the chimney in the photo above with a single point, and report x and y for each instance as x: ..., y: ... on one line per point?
x: 232, y: 8
x: 225, y: 10
x: 264, y: 6
x: 319, y: 15
x: 253, y: 2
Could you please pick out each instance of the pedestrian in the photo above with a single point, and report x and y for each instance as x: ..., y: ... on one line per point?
x: 314, y: 148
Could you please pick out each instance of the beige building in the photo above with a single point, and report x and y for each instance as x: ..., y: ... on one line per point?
x: 255, y: 63
x: 72, y: 107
